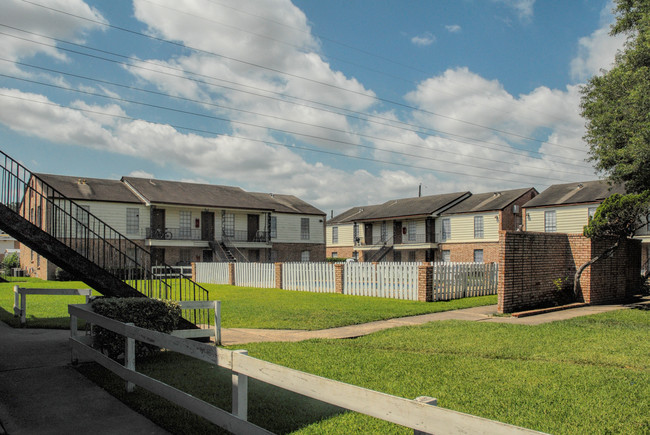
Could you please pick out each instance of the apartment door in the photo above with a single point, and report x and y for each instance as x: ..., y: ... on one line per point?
x: 157, y: 221
x: 207, y: 225
x: 397, y: 233
x: 207, y: 256
x: 367, y: 233
x: 157, y: 256
x: 253, y: 226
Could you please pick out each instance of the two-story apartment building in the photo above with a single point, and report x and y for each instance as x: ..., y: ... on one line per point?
x: 182, y: 222
x: 469, y: 231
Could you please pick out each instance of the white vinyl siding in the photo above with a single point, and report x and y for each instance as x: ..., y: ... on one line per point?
x: 462, y: 227
x: 289, y: 229
x: 114, y: 214
x: 570, y: 219
x: 345, y: 233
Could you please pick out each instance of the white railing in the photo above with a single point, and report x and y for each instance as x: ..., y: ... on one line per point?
x: 311, y: 277
x: 384, y: 280
x: 168, y: 272
x: 416, y: 414
x: 462, y: 280
x: 212, y: 273
x: 260, y: 275
x: 20, y: 297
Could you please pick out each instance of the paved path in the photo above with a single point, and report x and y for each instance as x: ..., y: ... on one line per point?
x: 235, y: 336
x: 41, y: 393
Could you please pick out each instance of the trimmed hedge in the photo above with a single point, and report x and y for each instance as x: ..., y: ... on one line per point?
x: 153, y: 314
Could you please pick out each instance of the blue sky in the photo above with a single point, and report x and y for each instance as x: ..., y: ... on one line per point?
x: 341, y: 103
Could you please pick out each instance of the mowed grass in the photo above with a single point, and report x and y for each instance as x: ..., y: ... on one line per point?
x: 588, y: 375
x: 42, y: 311
x: 246, y: 307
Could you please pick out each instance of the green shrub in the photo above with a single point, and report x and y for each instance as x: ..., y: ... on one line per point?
x: 9, y: 262
x: 335, y: 259
x: 153, y: 314
x: 64, y: 275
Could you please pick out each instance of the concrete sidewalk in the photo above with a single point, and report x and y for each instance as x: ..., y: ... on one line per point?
x: 236, y: 336
x: 41, y: 393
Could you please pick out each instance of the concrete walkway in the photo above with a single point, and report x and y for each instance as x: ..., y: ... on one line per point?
x: 236, y: 336
x: 41, y: 393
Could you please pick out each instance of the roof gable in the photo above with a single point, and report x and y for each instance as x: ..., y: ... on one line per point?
x: 409, y: 207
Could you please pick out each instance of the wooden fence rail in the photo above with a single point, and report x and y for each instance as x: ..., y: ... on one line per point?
x: 461, y: 280
x: 414, y: 414
x: 20, y: 297
x: 313, y: 277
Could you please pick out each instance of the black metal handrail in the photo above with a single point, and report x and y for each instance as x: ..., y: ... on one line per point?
x: 73, y: 225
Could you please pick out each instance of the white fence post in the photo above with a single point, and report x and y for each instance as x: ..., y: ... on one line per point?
x: 217, y: 323
x: 74, y: 356
x: 240, y: 392
x: 428, y: 401
x: 129, y: 359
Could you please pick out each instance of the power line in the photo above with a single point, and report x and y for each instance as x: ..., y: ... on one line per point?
x: 250, y: 124
x: 106, y: 82
x: 365, y: 117
x: 278, y: 71
x: 178, y: 127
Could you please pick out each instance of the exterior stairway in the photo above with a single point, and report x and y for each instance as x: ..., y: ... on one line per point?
x: 59, y: 229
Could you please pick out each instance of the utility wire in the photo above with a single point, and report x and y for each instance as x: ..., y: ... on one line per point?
x: 278, y: 71
x: 294, y: 133
x: 178, y: 127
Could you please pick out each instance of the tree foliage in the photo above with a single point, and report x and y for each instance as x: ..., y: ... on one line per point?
x: 619, y: 216
x: 616, y: 105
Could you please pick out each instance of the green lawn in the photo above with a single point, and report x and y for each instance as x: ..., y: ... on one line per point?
x: 246, y: 307
x: 587, y: 375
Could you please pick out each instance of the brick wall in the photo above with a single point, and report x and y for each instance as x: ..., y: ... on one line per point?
x: 341, y: 251
x: 464, y: 252
x: 289, y: 252
x: 530, y: 262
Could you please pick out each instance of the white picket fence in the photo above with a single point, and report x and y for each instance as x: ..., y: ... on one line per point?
x: 212, y: 273
x: 384, y: 280
x: 255, y: 275
x: 463, y: 280
x: 311, y: 277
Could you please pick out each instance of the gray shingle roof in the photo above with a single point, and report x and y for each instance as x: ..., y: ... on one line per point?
x: 489, y: 201
x: 286, y: 203
x: 575, y: 193
x: 90, y: 189
x: 403, y: 208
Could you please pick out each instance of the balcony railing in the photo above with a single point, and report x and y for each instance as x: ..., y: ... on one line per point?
x: 412, y: 239
x: 407, y: 239
x: 173, y: 234
x: 244, y: 236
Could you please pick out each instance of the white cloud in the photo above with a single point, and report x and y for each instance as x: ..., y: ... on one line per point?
x: 424, y: 39
x: 453, y: 28
x: 32, y: 18
x: 524, y: 8
x: 595, y: 52
x: 139, y: 173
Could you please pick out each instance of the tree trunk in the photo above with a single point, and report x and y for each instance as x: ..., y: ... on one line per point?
x: 576, y: 278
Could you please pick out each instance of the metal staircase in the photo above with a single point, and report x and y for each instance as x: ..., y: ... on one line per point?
x: 382, y: 252
x: 67, y: 234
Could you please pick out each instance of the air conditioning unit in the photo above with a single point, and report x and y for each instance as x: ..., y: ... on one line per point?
x: 515, y: 209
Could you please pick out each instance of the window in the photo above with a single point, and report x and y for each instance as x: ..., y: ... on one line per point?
x: 229, y: 225
x: 550, y: 222
x: 384, y: 231
x: 412, y: 228
x: 446, y: 229
x: 335, y: 234
x: 335, y: 254
x: 274, y: 227
x: 446, y: 256
x: 412, y: 256
x: 478, y: 256
x: 185, y: 256
x: 304, y: 256
x: 478, y: 227
x: 185, y: 224
x: 304, y: 229
x: 591, y: 211
x: 132, y: 221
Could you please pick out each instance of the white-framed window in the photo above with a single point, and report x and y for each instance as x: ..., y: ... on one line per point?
x: 478, y: 256
x: 274, y: 227
x: 550, y: 221
x: 412, y: 228
x: 446, y: 229
x: 384, y: 231
x: 304, y: 256
x: 591, y: 211
x: 446, y: 255
x: 132, y: 221
x: 335, y: 234
x: 335, y: 254
x: 185, y: 223
x: 228, y: 224
x: 478, y: 227
x: 304, y: 229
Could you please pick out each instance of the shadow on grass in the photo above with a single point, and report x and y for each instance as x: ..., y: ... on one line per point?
x: 270, y: 407
x: 36, y: 322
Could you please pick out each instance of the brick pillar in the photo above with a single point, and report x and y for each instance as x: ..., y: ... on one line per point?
x: 339, y: 278
x: 231, y: 273
x: 278, y: 275
x: 193, y: 271
x: 425, y: 283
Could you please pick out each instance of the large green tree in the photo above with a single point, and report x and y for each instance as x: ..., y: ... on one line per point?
x: 616, y: 104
